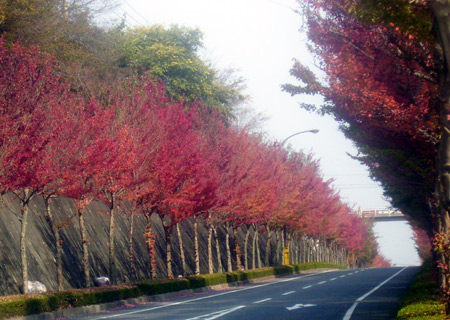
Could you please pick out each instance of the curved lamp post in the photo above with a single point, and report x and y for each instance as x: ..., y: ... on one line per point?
x: 286, y: 254
x: 305, y: 131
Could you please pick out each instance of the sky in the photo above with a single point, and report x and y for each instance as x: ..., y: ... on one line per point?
x: 259, y: 39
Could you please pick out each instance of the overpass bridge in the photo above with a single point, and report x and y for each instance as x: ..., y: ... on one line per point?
x: 383, y: 215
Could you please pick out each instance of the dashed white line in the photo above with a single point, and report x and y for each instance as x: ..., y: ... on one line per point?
x: 342, y: 276
x: 307, y: 287
x: 332, y: 279
x: 287, y: 293
x: 263, y: 300
x: 322, y: 282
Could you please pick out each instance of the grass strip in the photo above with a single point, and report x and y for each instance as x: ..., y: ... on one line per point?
x: 422, y: 301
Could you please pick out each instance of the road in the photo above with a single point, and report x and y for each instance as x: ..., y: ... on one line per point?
x: 359, y: 294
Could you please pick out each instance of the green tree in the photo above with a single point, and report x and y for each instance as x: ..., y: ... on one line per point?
x: 172, y: 56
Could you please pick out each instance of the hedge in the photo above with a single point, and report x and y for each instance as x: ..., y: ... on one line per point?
x: 22, y: 305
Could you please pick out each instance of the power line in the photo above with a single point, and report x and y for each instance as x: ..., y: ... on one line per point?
x: 127, y: 14
x: 136, y: 11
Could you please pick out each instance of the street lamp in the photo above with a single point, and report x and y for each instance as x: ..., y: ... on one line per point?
x: 286, y: 248
x: 292, y: 135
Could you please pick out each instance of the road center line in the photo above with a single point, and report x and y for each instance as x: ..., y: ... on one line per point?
x: 349, y: 312
x: 263, y: 300
x: 342, y: 276
x: 332, y: 279
x: 322, y: 282
x: 287, y: 293
x: 307, y: 287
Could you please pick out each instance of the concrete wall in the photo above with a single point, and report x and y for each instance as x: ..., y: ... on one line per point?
x: 40, y: 246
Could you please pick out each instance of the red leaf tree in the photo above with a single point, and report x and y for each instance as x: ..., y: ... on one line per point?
x: 33, y: 105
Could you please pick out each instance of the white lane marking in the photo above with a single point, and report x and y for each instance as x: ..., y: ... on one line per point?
x: 263, y: 300
x: 287, y: 293
x: 212, y: 296
x: 342, y: 276
x: 299, y: 306
x: 216, y: 314
x: 322, y: 282
x: 349, y: 312
x: 307, y: 287
x: 332, y: 279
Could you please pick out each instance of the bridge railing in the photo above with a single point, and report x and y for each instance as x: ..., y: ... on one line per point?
x: 379, y: 214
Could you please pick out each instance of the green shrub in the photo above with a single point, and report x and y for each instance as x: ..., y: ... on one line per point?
x: 11, y: 308
x: 162, y: 286
x: 36, y: 304
x: 207, y: 280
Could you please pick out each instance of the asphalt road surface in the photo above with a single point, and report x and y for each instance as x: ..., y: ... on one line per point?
x: 359, y: 294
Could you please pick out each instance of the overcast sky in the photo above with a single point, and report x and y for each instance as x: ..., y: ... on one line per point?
x: 259, y: 38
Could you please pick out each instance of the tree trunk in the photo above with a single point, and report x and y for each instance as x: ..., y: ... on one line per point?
x: 267, y: 256
x: 237, y: 249
x: 247, y: 234
x: 130, y: 248
x: 227, y: 246
x: 258, y: 252
x: 219, y: 256
x: 280, y: 248
x: 23, y: 238
x: 150, y: 242
x: 292, y: 249
x: 254, y: 250
x: 196, y: 248
x: 168, y: 234
x: 58, y: 243
x: 441, y: 10
x: 112, y: 256
x: 84, y: 245
x: 210, y: 256
x: 182, y: 256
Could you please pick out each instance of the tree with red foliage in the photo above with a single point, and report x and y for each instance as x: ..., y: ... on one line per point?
x: 380, y: 85
x: 136, y: 109
x: 237, y: 167
x: 218, y: 141
x: 114, y: 176
x: 33, y: 105
x: 381, y: 261
x: 90, y: 154
x: 58, y: 156
x: 171, y: 177
x: 423, y: 243
x: 180, y: 177
x: 262, y: 203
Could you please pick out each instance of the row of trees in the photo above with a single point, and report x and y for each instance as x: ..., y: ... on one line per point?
x: 161, y: 156
x: 386, y: 67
